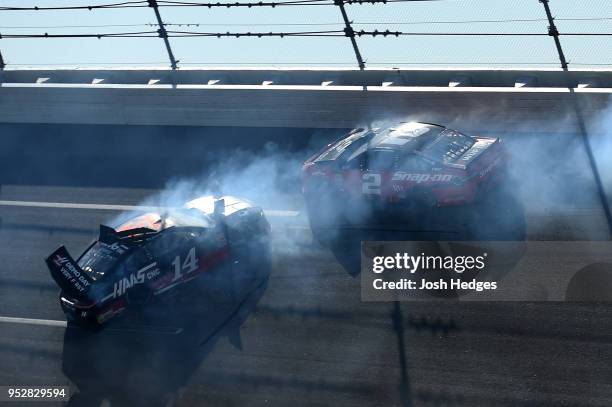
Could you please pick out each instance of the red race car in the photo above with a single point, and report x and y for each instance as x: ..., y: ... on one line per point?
x: 415, y: 164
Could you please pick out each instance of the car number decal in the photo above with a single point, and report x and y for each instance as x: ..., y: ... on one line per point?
x: 371, y: 184
x: 189, y: 265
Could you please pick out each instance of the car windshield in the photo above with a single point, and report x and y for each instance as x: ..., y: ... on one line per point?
x: 101, y: 258
x: 448, y: 146
x: 407, y: 136
x: 343, y: 148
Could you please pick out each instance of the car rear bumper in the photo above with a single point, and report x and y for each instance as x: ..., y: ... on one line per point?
x: 77, y: 311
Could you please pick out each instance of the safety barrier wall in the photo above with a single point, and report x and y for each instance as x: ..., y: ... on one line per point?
x: 307, y: 106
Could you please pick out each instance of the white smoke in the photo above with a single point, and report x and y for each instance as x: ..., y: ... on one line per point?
x: 600, y: 136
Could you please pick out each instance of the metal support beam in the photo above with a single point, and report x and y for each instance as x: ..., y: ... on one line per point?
x: 349, y: 32
x: 2, y: 64
x: 553, y: 32
x: 163, y: 33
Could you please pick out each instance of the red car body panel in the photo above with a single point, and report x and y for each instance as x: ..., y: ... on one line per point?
x: 450, y: 182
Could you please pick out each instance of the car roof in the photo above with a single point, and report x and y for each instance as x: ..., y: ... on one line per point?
x: 150, y: 220
x: 195, y: 213
x: 406, y: 136
x: 172, y: 217
x: 231, y: 205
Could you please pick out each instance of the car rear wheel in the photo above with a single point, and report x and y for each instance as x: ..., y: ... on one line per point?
x: 323, y: 207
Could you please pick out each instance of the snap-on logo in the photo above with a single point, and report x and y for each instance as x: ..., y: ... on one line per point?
x: 418, y: 178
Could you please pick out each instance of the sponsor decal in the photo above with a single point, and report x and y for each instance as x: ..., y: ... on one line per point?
x: 471, y: 153
x: 488, y: 169
x: 139, y: 277
x: 115, y: 247
x: 421, y: 177
x: 71, y: 273
x: 59, y: 260
x: 121, y: 286
x: 476, y: 149
x: 153, y: 273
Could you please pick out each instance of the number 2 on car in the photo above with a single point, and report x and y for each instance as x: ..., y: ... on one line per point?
x: 371, y: 184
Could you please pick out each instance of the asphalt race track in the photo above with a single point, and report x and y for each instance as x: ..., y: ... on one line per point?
x: 298, y: 337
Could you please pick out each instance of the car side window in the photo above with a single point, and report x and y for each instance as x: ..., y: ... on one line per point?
x: 354, y: 164
x: 414, y: 163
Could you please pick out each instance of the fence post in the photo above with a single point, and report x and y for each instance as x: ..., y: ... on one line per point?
x: 349, y: 32
x: 163, y: 33
x: 553, y: 32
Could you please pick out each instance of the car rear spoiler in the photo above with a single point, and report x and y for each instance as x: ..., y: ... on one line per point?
x: 479, y: 148
x: 67, y: 274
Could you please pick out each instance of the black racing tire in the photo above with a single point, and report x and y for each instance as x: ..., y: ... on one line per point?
x: 323, y: 208
x: 261, y: 254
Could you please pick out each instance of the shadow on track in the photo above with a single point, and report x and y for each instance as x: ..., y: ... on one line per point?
x: 500, y: 216
x: 147, y: 357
